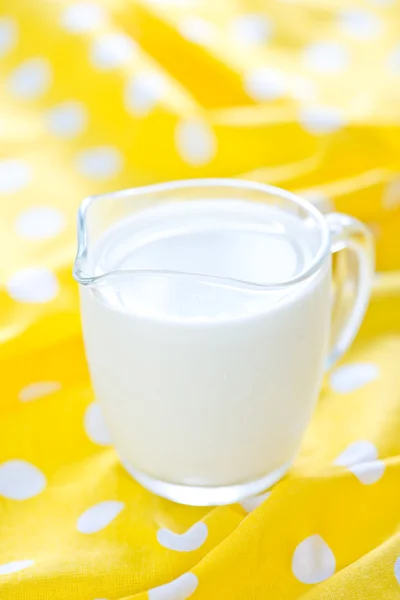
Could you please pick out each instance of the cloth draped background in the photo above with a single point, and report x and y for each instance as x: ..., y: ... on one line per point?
x: 97, y: 96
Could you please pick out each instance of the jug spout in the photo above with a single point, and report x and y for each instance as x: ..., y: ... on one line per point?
x: 81, y: 271
x: 96, y: 216
x: 100, y: 214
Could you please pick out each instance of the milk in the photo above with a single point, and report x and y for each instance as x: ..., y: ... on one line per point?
x: 209, y: 378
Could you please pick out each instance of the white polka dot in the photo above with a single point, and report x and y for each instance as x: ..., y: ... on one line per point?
x: 35, y: 284
x: 191, y: 540
x: 265, y: 84
x: 143, y: 92
x: 357, y: 452
x: 100, y: 515
x: 14, y: 175
x: 178, y: 589
x: 196, y: 142
x: 112, y: 50
x: 326, y: 57
x: 319, y: 199
x: 8, y: 35
x: 14, y: 567
x: 82, y: 17
x: 254, y: 502
x: 368, y: 473
x: 313, y: 561
x: 321, y: 119
x: 361, y: 459
x: 391, y: 195
x: 95, y: 426
x: 100, y: 163
x: 67, y: 119
x: 397, y: 569
x: 36, y: 390
x: 251, y: 29
x: 20, y: 480
x: 360, y: 24
x: 40, y: 222
x: 31, y: 79
x: 351, y: 377
x: 197, y: 30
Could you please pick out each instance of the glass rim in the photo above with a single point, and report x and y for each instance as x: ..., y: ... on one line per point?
x: 271, y: 190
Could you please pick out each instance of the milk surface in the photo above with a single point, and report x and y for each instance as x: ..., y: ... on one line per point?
x: 205, y: 377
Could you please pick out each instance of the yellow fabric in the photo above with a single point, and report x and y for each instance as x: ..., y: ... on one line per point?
x: 166, y: 89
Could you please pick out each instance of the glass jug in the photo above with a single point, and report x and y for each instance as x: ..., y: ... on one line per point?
x: 207, y: 320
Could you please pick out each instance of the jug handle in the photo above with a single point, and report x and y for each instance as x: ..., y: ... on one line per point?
x: 348, y: 233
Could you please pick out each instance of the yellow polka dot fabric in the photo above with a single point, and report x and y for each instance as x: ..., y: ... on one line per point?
x: 97, y: 96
